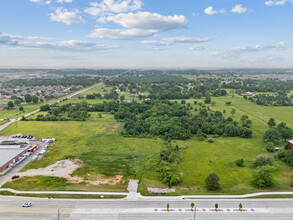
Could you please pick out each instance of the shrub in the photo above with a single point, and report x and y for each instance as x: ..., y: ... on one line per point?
x: 240, y: 162
x: 263, y: 178
x: 263, y: 160
x: 270, y: 147
x: 212, y: 182
x: 210, y: 140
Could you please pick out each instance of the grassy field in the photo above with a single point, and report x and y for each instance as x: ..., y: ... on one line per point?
x: 98, y: 143
x: 201, y: 158
x: 14, y: 113
x: 62, y: 196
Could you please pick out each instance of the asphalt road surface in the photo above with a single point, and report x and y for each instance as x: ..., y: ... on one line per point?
x: 11, y: 208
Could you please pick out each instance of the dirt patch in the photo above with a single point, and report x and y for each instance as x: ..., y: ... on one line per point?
x: 64, y: 169
x: 97, y: 180
x: 111, y: 128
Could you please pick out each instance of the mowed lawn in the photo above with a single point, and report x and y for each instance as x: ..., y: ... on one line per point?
x: 96, y: 142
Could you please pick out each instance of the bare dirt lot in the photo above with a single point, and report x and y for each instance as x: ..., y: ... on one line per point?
x: 64, y: 169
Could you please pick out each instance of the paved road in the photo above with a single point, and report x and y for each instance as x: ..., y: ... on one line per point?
x: 10, y: 208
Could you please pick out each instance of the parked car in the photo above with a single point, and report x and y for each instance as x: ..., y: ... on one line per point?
x: 14, y: 136
x: 27, y: 204
x: 15, y: 177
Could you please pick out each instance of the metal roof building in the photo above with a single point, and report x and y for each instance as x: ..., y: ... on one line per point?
x: 9, y: 155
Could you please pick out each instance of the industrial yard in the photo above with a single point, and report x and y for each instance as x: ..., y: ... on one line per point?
x: 18, y: 150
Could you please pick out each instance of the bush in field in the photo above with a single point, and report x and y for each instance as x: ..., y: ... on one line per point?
x: 262, y: 178
x: 263, y: 160
x: 212, y: 182
x: 240, y: 162
x: 270, y: 147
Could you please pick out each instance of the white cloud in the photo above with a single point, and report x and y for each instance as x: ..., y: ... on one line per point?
x: 67, y: 17
x: 120, y: 34
x: 239, y: 9
x: 17, y: 37
x: 198, y: 47
x: 277, y: 2
x: 239, y: 50
x: 174, y: 40
x: 210, y: 11
x: 138, y: 25
x: 47, y: 2
x: 113, y: 6
x: 148, y: 21
x: 70, y: 45
x: 64, y: 1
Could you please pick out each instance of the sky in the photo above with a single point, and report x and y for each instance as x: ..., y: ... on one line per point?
x: 146, y: 33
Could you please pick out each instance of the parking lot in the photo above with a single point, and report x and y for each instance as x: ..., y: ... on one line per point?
x: 15, y: 169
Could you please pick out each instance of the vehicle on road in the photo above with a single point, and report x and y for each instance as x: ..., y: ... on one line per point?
x: 27, y: 204
x: 15, y: 177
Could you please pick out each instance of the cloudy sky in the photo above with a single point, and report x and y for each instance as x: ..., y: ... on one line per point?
x: 146, y: 33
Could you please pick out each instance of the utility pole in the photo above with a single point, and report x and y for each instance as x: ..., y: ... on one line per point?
x: 58, y: 213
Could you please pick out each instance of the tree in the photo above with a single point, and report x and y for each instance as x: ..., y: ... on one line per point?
x: 228, y: 103
x: 216, y: 206
x: 271, y: 122
x: 192, y: 205
x: 28, y: 98
x: 212, y: 182
x: 168, y: 206
x: 45, y: 108
x: 10, y: 104
x: 286, y: 133
x: 272, y: 135
x: 20, y: 108
x: 263, y: 178
x: 213, y: 103
x: 35, y: 99
x: 17, y: 102
x: 233, y: 111
x: 100, y: 115
x: 208, y: 99
x: 240, y: 206
x: 244, y: 118
x: 231, y: 130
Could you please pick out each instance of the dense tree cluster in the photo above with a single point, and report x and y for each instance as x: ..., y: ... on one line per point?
x: 273, y: 100
x: 275, y: 133
x: 68, y: 112
x: 65, y: 81
x: 174, y: 121
x: 168, y: 163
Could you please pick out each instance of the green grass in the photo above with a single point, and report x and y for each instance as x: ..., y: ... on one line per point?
x: 62, y: 196
x: 201, y: 158
x: 15, y: 113
x: 97, y: 142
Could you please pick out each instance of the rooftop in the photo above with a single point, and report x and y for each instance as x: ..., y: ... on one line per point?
x: 8, y: 154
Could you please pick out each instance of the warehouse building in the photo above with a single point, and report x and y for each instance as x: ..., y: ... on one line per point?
x: 9, y: 155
